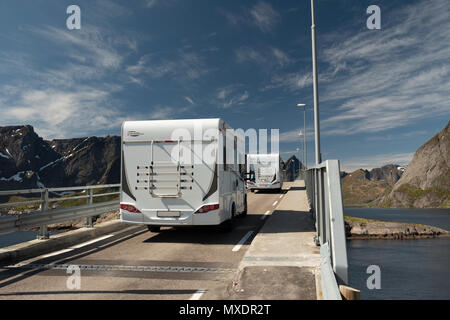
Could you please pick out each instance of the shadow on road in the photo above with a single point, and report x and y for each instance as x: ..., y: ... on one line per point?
x: 269, y: 191
x: 282, y: 221
x: 207, y: 234
x: 298, y: 188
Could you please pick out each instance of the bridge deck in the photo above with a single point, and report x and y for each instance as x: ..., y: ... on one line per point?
x: 192, y: 263
x: 282, y: 261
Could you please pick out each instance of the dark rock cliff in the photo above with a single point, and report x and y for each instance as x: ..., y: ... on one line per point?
x: 426, y: 181
x: 390, y: 173
x: 28, y: 161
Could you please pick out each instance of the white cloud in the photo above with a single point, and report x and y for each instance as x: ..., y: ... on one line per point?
x: 231, y: 96
x: 264, y: 16
x: 109, y: 8
x: 69, y: 98
x: 291, y: 82
x: 184, y: 67
x: 58, y: 113
x: 90, y: 43
x: 390, y: 78
x: 162, y: 112
x: 282, y: 58
x: 247, y: 54
x: 270, y: 57
x: 233, y: 19
x: 188, y: 99
x: 151, y: 3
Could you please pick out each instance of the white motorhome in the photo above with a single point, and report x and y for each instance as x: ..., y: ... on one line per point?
x: 173, y: 174
x: 264, y: 172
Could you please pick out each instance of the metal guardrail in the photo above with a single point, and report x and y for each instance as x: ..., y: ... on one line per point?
x: 323, y: 187
x: 330, y: 289
x: 45, y: 216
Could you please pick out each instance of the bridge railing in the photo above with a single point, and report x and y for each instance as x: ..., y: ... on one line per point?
x: 323, y: 187
x: 44, y: 215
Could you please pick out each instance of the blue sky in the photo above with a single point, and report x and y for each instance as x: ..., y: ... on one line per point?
x: 383, y: 93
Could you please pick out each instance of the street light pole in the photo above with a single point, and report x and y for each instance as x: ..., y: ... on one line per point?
x: 305, y: 155
x: 315, y: 85
x: 304, y: 137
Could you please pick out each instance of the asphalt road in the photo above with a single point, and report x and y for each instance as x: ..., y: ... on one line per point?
x: 184, y: 263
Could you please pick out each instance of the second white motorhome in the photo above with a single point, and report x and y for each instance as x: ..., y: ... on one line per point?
x: 264, y: 172
x: 177, y: 173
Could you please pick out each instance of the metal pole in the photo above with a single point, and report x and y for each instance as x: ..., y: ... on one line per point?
x: 315, y: 84
x: 304, y: 138
x: 43, y: 230
x: 302, y: 105
x: 90, y: 201
x: 319, y: 185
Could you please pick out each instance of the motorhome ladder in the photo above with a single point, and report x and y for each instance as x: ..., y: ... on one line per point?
x: 165, y: 179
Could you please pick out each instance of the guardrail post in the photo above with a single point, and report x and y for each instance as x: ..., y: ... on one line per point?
x: 90, y: 201
x: 313, y: 193
x: 325, y: 194
x: 43, y: 230
x: 318, y: 207
x: 338, y: 248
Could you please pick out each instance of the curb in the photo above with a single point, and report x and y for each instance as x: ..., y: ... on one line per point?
x: 34, y: 248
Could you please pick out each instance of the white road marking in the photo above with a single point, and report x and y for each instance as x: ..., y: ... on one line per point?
x: 90, y: 242
x: 265, y: 215
x: 281, y: 196
x: 275, y: 203
x: 55, y: 253
x: 242, y: 241
x: 197, y: 295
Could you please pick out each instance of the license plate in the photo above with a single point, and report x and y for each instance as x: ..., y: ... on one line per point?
x: 168, y: 213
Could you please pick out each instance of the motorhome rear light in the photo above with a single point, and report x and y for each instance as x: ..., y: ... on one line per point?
x: 276, y: 182
x: 129, y: 208
x: 169, y: 141
x: 207, y: 208
x: 249, y: 182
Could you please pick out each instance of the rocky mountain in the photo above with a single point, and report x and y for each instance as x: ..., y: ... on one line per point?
x: 390, y: 173
x: 426, y: 181
x: 359, y: 190
x: 28, y: 161
x: 361, y: 187
x: 291, y: 168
